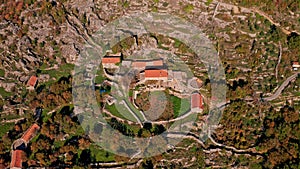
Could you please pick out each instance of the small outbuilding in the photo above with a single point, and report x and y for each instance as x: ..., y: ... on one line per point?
x: 196, y: 102
x: 32, y: 82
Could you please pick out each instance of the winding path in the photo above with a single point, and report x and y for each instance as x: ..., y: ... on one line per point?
x: 279, y: 60
x: 132, y: 113
x: 153, y: 122
x: 280, y: 89
x: 287, y: 32
x: 12, y: 120
x: 120, y: 119
x: 197, y: 139
x: 263, y: 14
x: 173, y: 120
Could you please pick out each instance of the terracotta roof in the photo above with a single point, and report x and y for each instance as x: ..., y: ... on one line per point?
x: 158, y: 63
x: 156, y: 73
x: 144, y: 63
x: 139, y: 64
x: 295, y: 63
x: 111, y: 60
x: 16, y: 159
x: 30, y: 133
x: 196, y: 101
x: 32, y: 81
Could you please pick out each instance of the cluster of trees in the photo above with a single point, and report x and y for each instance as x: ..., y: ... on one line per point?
x: 51, y: 96
x: 123, y: 128
x: 270, y: 6
x: 173, y: 106
x: 147, y: 130
x: 124, y: 44
x: 238, y: 89
x: 61, y: 142
x: 152, y: 130
x: 280, y: 139
x: 275, y: 137
x: 240, y: 128
x: 11, y: 10
x: 13, y: 134
x: 294, y: 43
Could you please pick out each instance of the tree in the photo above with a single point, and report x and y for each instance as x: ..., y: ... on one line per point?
x: 158, y: 129
x: 274, y: 33
x: 281, y: 137
x: 85, y: 157
x: 140, y: 132
x: 294, y: 41
x: 148, y: 164
x: 147, y: 126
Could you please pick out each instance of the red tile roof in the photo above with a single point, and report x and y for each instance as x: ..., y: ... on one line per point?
x: 111, y: 60
x: 295, y: 63
x: 143, y: 64
x: 16, y: 159
x: 156, y: 73
x: 30, y: 133
x: 196, y: 101
x: 158, y: 63
x: 139, y: 64
x: 32, y: 81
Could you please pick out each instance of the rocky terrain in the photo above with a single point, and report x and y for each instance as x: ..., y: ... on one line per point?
x: 257, y: 43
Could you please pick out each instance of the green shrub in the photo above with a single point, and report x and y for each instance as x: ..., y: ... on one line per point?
x: 2, y: 72
x: 188, y: 8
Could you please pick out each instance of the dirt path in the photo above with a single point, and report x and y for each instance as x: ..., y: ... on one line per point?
x: 279, y: 60
x: 58, y: 107
x: 173, y: 120
x: 192, y: 136
x: 263, y: 14
x: 12, y: 120
x: 280, y: 89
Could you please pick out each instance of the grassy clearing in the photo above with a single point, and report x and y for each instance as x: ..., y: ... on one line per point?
x: 124, y: 110
x: 9, y: 117
x: 126, y: 113
x: 62, y: 71
x: 130, y: 93
x: 177, y: 43
x: 180, y: 106
x: 100, y: 75
x: 135, y: 111
x: 188, y: 8
x: 57, y: 144
x: 113, y: 110
x: 99, y: 79
x: 35, y: 138
x: 2, y: 73
x: 208, y: 2
x: 116, y: 112
x: 101, y: 155
x: 4, y: 93
x: 4, y: 128
x: 185, y: 105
